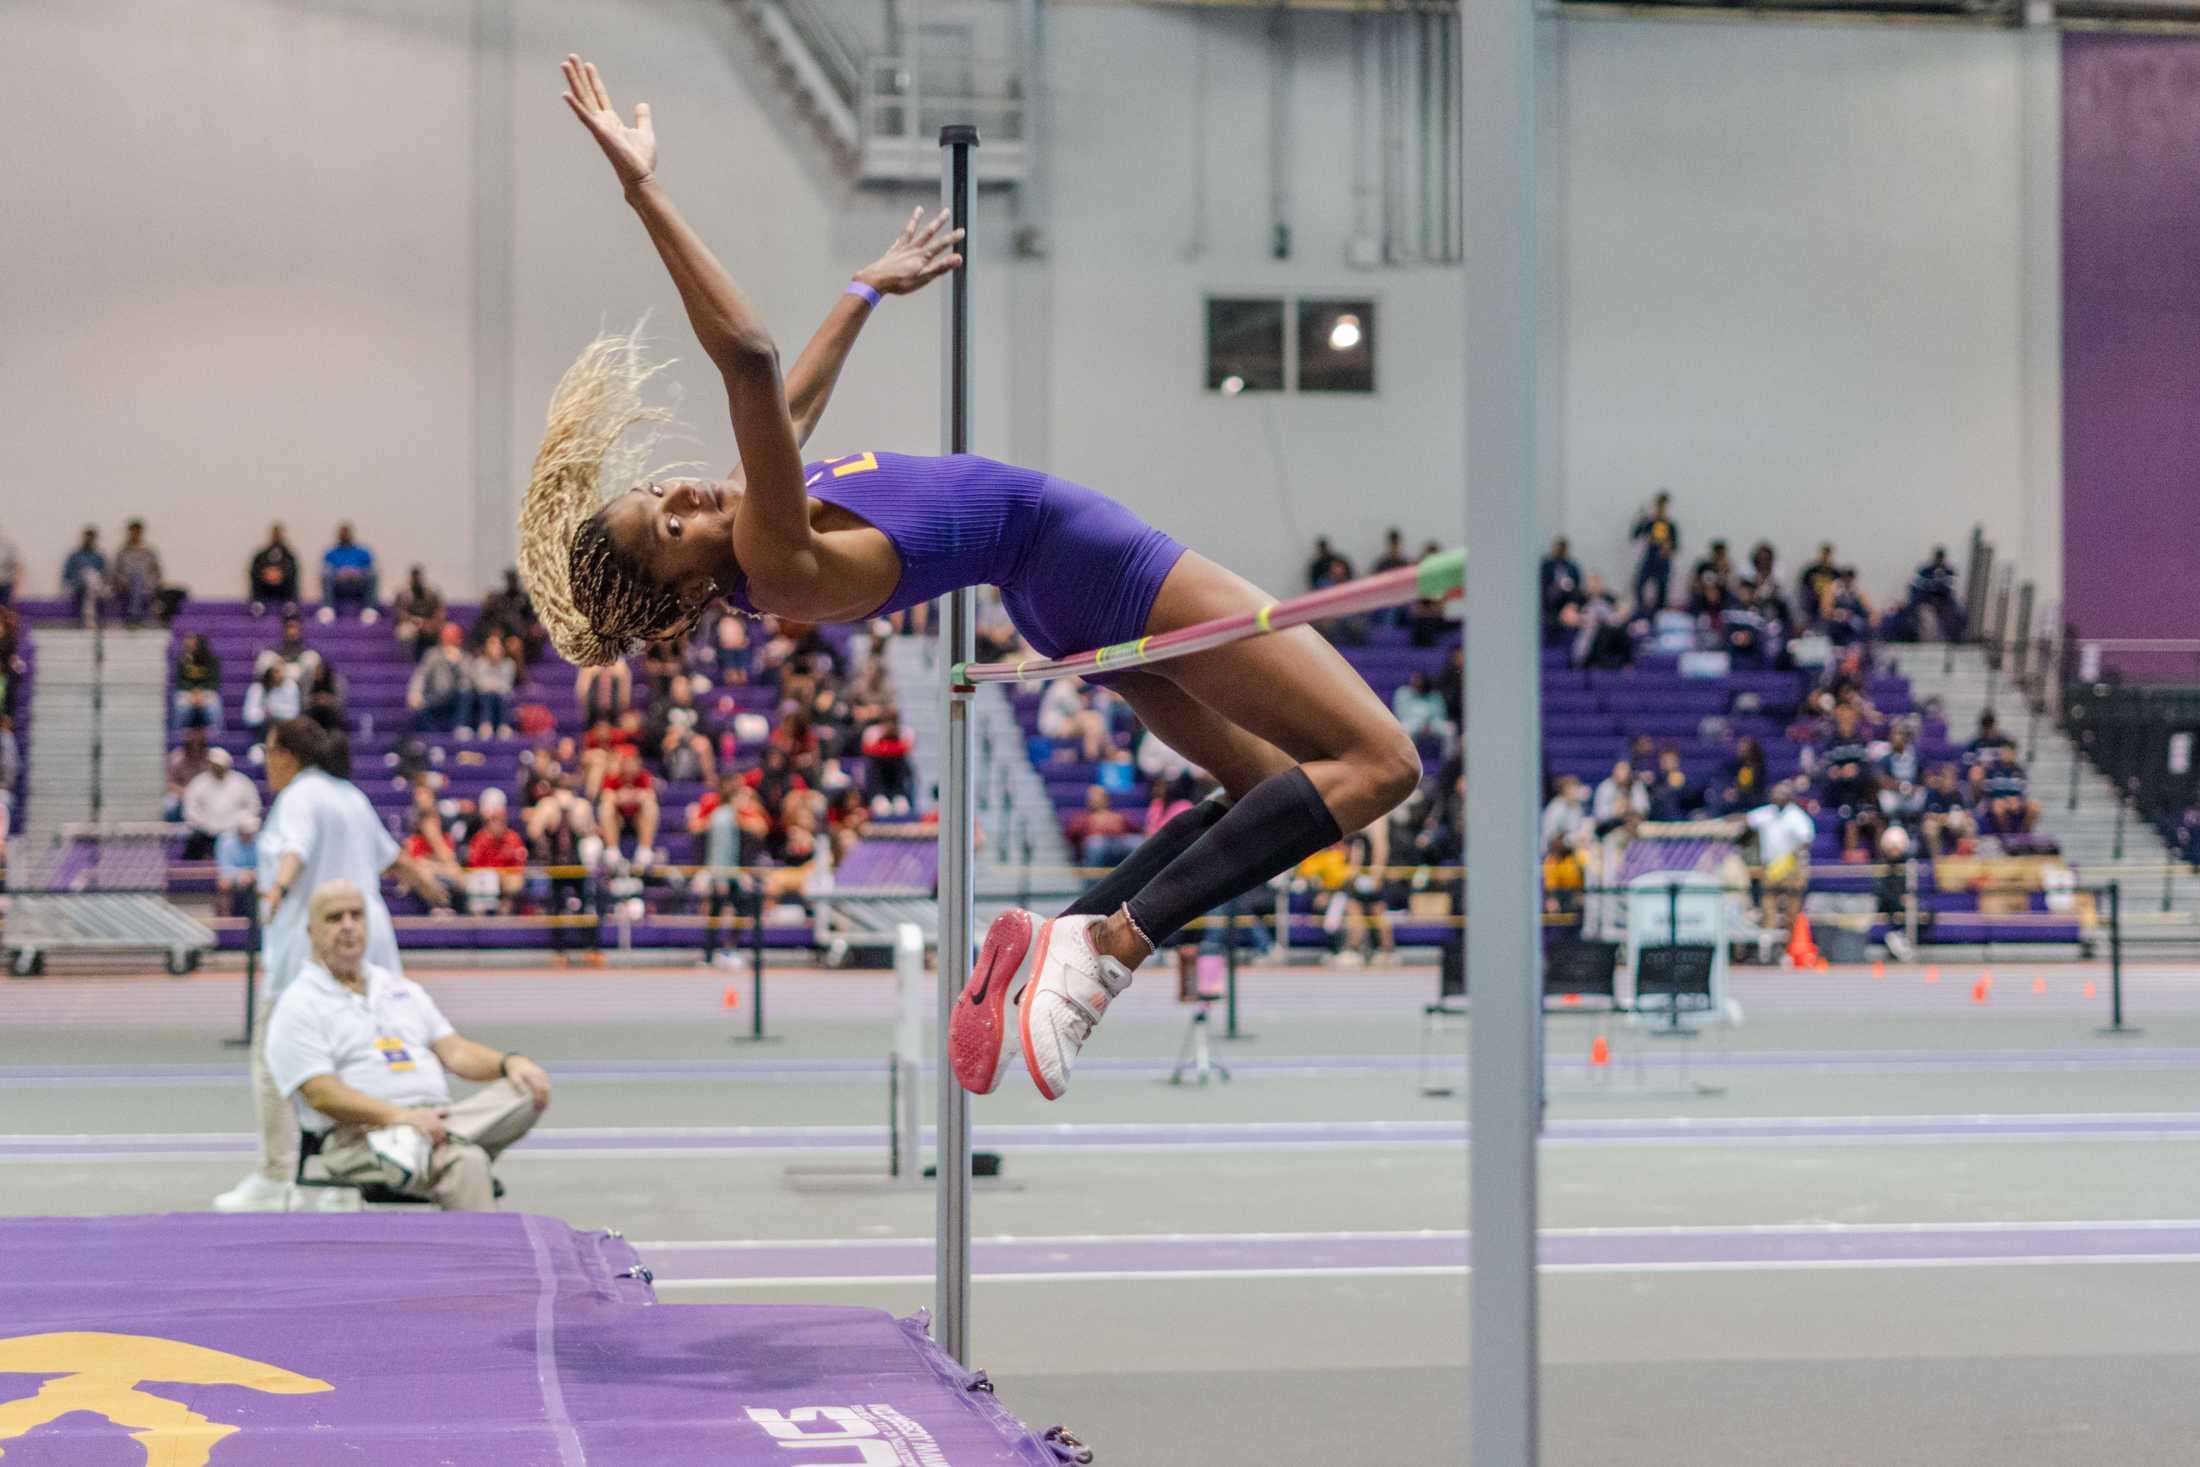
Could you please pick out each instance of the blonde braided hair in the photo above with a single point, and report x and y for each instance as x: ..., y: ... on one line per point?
x: 599, y: 436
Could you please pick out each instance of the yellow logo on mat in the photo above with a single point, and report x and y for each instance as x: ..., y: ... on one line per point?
x: 99, y: 1373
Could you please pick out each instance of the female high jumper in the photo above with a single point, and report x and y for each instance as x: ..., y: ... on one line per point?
x: 1302, y: 747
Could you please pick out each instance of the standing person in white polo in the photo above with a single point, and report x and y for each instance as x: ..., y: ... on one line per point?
x: 319, y: 829
x: 368, y: 1056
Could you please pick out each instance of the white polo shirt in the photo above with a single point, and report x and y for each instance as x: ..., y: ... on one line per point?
x: 1781, y: 832
x: 330, y: 826
x: 379, y: 1042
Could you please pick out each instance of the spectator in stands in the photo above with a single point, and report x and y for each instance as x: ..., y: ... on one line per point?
x: 1847, y: 781
x: 801, y: 821
x: 1566, y: 817
x: 1066, y: 716
x: 2008, y: 810
x: 996, y: 633
x: 1362, y: 934
x: 273, y: 576
x: 218, y: 799
x: 427, y: 844
x: 510, y: 610
x: 84, y: 576
x: 348, y: 577
x: 324, y: 698
x: 1393, y: 556
x: 1672, y: 796
x: 11, y: 568
x: 11, y: 762
x: 290, y: 648
x: 1989, y: 741
x: 496, y: 856
x: 1451, y: 686
x: 361, y: 1050
x: 733, y: 654
x: 1815, y: 583
x: 1893, y: 889
x: 1718, y: 564
x: 137, y: 575
x: 664, y: 662
x: 734, y: 827
x: 833, y: 722
x: 1764, y: 583
x: 236, y: 868
x: 12, y: 664
x: 561, y: 835
x: 1784, y: 831
x: 198, y: 681
x: 1901, y: 771
x: 1708, y: 596
x: 604, y: 693
x: 1599, y: 625
x: 681, y: 736
x: 1560, y: 578
x: 847, y: 817
x: 1172, y: 796
x: 1617, y: 795
x: 418, y: 614
x: 186, y: 762
x: 1426, y: 616
x: 1946, y: 821
x: 886, y: 748
x: 1102, y: 833
x: 1661, y: 539
x: 1564, y: 876
x: 273, y: 697
x: 492, y: 673
x: 1847, y: 618
x: 1420, y: 709
x: 439, y: 687
x: 1933, y: 589
x: 628, y: 803
x: 1328, y: 567
x: 1751, y: 639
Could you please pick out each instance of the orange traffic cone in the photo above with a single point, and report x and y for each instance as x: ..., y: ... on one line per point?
x: 1801, y: 951
x: 1879, y: 970
x: 1600, y: 1051
x: 1983, y: 987
x: 733, y: 996
x: 1932, y: 975
x: 2039, y: 985
x: 1571, y: 1001
x: 2090, y: 990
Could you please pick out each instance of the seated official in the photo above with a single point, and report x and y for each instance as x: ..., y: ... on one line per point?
x: 365, y: 1056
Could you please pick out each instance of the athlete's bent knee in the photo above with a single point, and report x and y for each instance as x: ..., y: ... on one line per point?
x: 1396, y: 769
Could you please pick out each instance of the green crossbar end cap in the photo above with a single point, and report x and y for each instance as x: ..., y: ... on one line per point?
x: 1442, y: 573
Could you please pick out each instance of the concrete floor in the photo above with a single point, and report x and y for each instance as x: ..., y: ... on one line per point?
x: 1146, y: 1303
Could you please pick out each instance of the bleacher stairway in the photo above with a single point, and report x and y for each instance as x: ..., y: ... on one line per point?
x: 97, y: 722
x: 2091, y: 835
x: 1014, y: 811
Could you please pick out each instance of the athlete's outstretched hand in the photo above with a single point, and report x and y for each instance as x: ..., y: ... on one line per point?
x: 918, y: 256
x: 632, y: 150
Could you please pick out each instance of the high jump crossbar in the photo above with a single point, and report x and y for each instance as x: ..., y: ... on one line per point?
x: 1438, y: 577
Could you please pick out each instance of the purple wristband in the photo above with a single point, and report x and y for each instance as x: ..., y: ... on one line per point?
x: 857, y: 287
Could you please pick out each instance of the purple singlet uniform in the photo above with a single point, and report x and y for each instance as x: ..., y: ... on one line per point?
x: 1076, y: 569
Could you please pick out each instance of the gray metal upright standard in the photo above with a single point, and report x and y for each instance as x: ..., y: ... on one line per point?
x: 1497, y: 58
x: 958, y: 803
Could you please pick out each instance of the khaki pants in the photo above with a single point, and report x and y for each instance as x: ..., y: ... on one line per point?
x: 480, y: 1127
x: 278, y: 1117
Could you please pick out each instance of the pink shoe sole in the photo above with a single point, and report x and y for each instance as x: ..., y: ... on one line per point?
x: 976, y: 1033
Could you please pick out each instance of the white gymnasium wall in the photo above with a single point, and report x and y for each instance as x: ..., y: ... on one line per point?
x: 241, y: 278
x: 235, y: 282
x: 1793, y: 288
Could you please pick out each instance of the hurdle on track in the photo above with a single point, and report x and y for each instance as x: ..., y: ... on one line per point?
x: 1438, y: 577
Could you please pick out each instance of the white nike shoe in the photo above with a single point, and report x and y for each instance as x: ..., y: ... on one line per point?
x: 255, y: 1194
x: 1071, y: 987
x: 978, y: 1043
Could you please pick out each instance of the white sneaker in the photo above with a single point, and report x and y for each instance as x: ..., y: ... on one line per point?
x: 337, y: 1199
x: 368, y: 616
x: 255, y: 1194
x: 977, y: 1035
x: 1898, y: 947
x: 325, y: 615
x: 1071, y: 987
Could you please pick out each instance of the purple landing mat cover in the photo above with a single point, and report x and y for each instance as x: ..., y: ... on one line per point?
x: 196, y: 1340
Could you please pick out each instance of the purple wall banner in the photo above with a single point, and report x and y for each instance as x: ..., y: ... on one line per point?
x: 2131, y: 335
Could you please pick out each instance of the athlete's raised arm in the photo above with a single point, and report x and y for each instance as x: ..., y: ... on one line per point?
x: 774, y: 537
x: 919, y: 255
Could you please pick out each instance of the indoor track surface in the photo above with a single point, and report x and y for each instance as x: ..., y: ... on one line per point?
x: 1884, y: 1222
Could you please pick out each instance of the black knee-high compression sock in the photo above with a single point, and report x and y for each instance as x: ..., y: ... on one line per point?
x: 1280, y: 822
x: 1154, y: 853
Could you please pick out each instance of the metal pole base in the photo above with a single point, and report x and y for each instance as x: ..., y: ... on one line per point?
x: 756, y: 1038
x: 1196, y: 1058
x: 2119, y: 1031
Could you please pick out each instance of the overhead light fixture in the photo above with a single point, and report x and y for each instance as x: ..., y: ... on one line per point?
x: 1345, y: 335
